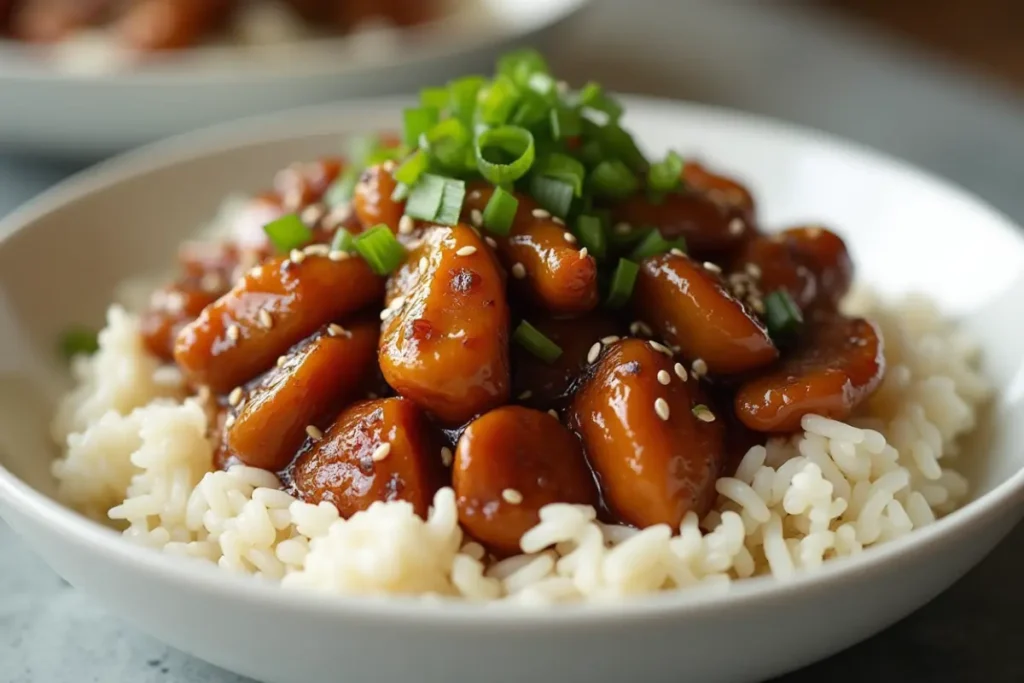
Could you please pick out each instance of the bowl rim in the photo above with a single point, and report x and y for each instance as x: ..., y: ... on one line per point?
x: 90, y: 536
x: 228, y: 64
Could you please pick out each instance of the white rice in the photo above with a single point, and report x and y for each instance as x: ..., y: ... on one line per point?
x: 135, y: 452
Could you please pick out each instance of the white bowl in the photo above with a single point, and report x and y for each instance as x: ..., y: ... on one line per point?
x: 61, y: 107
x: 61, y: 256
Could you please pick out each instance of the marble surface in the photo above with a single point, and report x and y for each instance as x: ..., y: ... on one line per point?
x: 764, y: 57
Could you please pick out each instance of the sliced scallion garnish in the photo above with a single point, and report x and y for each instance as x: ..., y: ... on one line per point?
x: 425, y: 197
x: 400, y: 193
x: 590, y: 232
x: 448, y: 143
x: 565, y: 123
x: 434, y: 97
x: 500, y: 212
x: 78, y: 341
x: 562, y: 167
x: 552, y: 194
x: 380, y: 249
x: 781, y: 314
x: 343, y: 241
x: 654, y: 244
x: 288, y: 232
x: 520, y: 66
x: 417, y: 122
x: 412, y: 168
x: 592, y: 96
x: 531, y: 339
x: 623, y: 280
x: 496, y: 102
x: 510, y: 142
x: 665, y: 176
x: 463, y: 93
x: 451, y: 202
x: 341, y: 190
x: 613, y: 179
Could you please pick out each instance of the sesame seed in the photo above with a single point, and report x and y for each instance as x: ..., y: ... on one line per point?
x: 230, y: 420
x: 423, y: 264
x: 266, y: 320
x: 584, y: 252
x: 664, y: 377
x: 337, y: 216
x: 292, y: 199
x: 336, y: 330
x: 234, y: 332
x: 235, y: 397
x: 753, y: 270
x: 512, y: 496
x: 713, y: 267
x: 735, y: 226
x: 553, y: 413
x: 610, y: 339
x: 638, y: 327
x: 680, y: 371
x: 446, y: 456
x: 314, y: 433
x: 676, y: 251
x: 317, y: 250
x: 701, y: 412
x: 525, y: 395
x: 476, y: 218
x: 405, y: 225
x: 814, y: 232
x: 281, y: 360
x: 518, y: 271
x: 256, y: 272
x: 594, y: 352
x: 457, y: 335
x: 623, y: 228
x: 386, y: 313
x: 204, y: 394
x: 541, y: 213
x: 466, y: 251
x: 397, y: 303
x: 475, y: 194
x: 699, y: 367
x: 211, y: 283
x: 382, y: 451
x: 337, y: 255
x: 661, y: 348
x: 661, y: 408
x: 757, y: 305
x: 491, y: 243
x: 414, y: 244
x: 297, y: 256
x: 569, y: 237
x: 312, y: 214
x: 557, y: 221
x: 388, y: 165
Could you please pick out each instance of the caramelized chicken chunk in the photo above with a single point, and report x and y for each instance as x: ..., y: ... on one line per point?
x: 542, y: 255
x: 151, y: 25
x: 690, y: 306
x: 171, y: 309
x: 656, y: 446
x: 272, y: 307
x: 372, y: 200
x: 49, y: 21
x: 773, y: 265
x: 380, y: 450
x: 444, y: 342
x: 309, y: 385
x: 709, y: 228
x: 838, y: 365
x: 509, y: 464
x: 825, y: 254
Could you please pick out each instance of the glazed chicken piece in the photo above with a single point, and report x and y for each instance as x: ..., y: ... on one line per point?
x: 49, y: 21
x: 381, y: 450
x: 542, y: 255
x: 372, y: 200
x: 651, y: 436
x: 838, y: 364
x: 272, y: 418
x: 274, y: 306
x: 691, y: 308
x: 444, y: 341
x: 509, y: 464
x: 171, y: 309
x: 150, y: 25
x: 825, y: 254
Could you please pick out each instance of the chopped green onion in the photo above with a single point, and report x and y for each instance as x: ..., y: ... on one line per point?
x: 654, y: 244
x: 613, y: 179
x: 665, y: 176
x: 623, y: 281
x: 592, y: 96
x: 288, y: 232
x: 521, y: 65
x: 380, y: 249
x: 514, y: 142
x: 463, y: 93
x: 400, y: 193
x: 496, y: 102
x: 500, y: 212
x: 434, y: 97
x: 531, y: 339
x: 342, y: 189
x: 532, y: 109
x: 552, y: 194
x: 590, y: 232
x: 412, y: 168
x: 616, y: 142
x: 417, y: 122
x: 448, y: 143
x: 622, y: 240
x: 78, y: 341
x: 343, y: 241
x: 425, y: 197
x: 562, y: 167
x: 781, y: 314
x: 542, y: 84
x: 565, y: 123
x: 451, y: 202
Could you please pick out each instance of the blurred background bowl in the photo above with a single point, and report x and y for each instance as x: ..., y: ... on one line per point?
x: 77, y: 99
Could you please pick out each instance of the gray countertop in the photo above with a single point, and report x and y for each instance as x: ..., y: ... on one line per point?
x: 769, y: 58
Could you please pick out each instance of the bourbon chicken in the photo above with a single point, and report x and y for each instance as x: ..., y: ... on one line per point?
x: 524, y: 308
